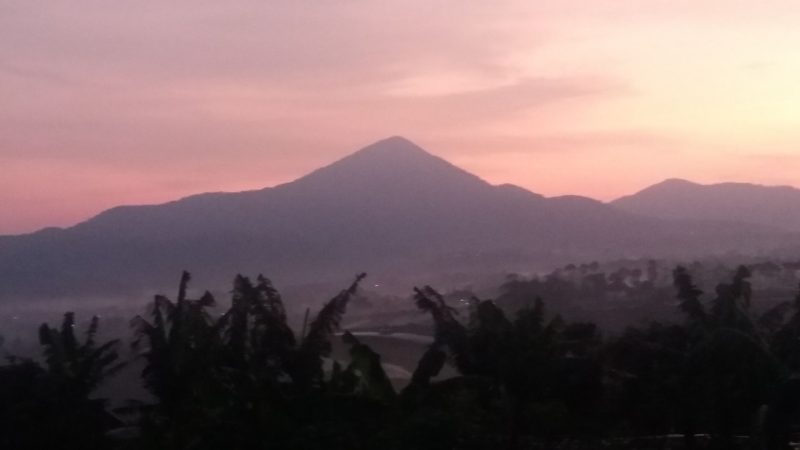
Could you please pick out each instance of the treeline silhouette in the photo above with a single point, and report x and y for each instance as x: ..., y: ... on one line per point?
x: 722, y: 377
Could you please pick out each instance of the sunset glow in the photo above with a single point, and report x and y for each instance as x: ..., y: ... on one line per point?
x: 108, y: 103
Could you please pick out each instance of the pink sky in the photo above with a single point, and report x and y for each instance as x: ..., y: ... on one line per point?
x: 105, y: 103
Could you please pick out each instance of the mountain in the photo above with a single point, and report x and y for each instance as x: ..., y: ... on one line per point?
x: 773, y: 206
x: 390, y: 208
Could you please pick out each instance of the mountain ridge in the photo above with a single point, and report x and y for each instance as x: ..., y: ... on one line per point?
x: 774, y: 206
x: 390, y: 207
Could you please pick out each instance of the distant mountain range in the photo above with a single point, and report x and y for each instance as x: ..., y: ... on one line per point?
x: 773, y: 206
x: 388, y: 208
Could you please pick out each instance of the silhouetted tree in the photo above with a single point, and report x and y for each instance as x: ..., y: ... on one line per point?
x: 229, y: 377
x: 537, y: 368
x: 50, y: 407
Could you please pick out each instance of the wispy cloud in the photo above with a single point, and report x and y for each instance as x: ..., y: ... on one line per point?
x: 193, y: 91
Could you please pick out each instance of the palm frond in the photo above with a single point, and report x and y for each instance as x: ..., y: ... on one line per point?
x: 329, y: 318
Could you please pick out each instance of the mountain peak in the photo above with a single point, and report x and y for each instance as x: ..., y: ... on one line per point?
x: 393, y: 144
x: 394, y: 160
x: 394, y: 147
x: 675, y: 182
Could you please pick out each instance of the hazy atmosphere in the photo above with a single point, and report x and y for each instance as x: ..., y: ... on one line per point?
x: 400, y: 225
x: 108, y: 103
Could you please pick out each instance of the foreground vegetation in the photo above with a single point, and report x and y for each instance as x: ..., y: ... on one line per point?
x: 721, y: 377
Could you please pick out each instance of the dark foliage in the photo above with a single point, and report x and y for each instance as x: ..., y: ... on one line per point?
x: 43, y: 407
x: 519, y: 378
